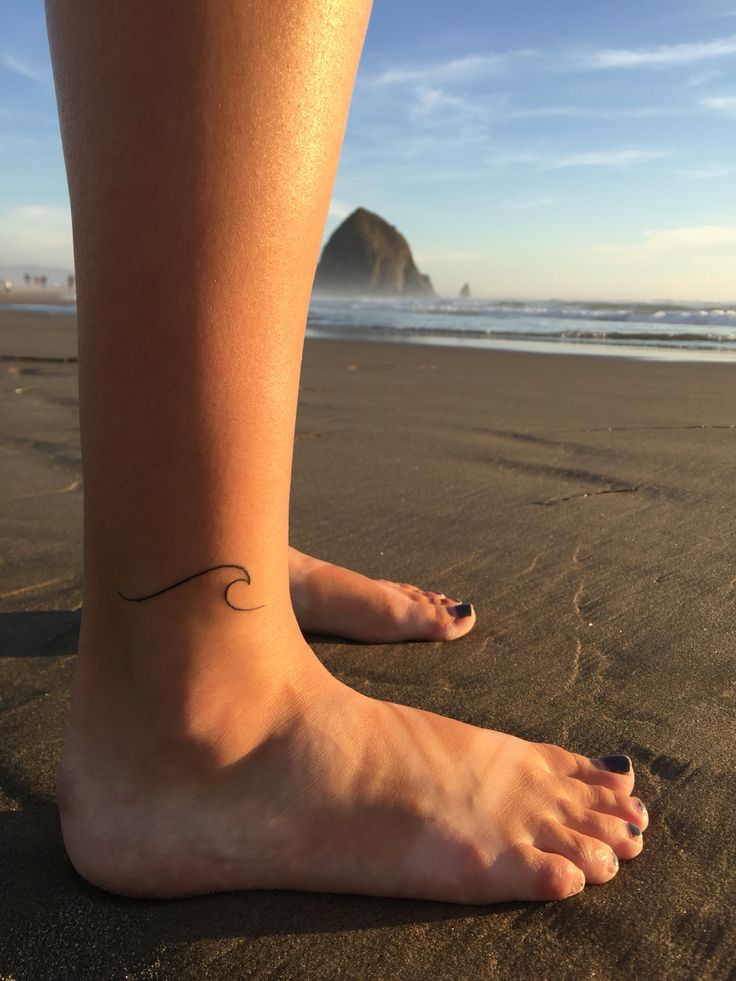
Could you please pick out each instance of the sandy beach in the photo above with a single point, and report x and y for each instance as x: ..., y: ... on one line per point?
x: 586, y: 506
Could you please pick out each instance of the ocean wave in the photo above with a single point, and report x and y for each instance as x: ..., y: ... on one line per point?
x: 653, y: 313
x: 48, y: 308
x: 664, y: 339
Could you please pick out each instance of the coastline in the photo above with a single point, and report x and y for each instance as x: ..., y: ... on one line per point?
x: 583, y: 505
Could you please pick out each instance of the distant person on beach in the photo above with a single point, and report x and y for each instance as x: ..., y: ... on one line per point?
x: 208, y: 749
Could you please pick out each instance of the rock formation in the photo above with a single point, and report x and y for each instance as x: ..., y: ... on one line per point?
x: 465, y: 291
x: 367, y: 256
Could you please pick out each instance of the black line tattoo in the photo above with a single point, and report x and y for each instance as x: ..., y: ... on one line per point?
x: 244, y: 578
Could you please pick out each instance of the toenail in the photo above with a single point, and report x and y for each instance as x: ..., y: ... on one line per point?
x: 640, y: 806
x: 579, y: 886
x: 461, y: 610
x: 635, y: 830
x: 614, y: 862
x: 616, y: 764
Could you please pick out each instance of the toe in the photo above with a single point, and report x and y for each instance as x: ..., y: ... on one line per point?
x: 410, y: 615
x: 546, y: 875
x: 452, y: 622
x: 613, y: 831
x: 443, y: 600
x: 595, y: 858
x: 589, y: 771
x: 615, y: 771
x: 629, y: 809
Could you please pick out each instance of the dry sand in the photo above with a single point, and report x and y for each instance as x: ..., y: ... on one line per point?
x: 586, y: 506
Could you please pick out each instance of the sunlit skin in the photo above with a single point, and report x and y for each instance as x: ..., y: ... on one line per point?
x: 208, y: 749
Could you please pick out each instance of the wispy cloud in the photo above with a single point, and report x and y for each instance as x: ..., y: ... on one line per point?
x: 449, y: 255
x: 597, y: 112
x: 339, y: 209
x: 17, y: 140
x: 721, y: 103
x: 608, y: 158
x: 702, y: 78
x: 433, y: 101
x: 620, y: 159
x: 457, y: 118
x: 707, y: 172
x: 464, y: 69
x: 36, y: 233
x: 664, y: 56
x: 690, y: 240
x: 16, y: 65
x: 694, y: 236
x: 527, y: 204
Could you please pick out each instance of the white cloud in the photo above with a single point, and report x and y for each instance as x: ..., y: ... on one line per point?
x: 545, y: 112
x: 597, y: 112
x: 15, y: 139
x: 527, y: 204
x: 687, y: 242
x: 663, y: 56
x: 339, y: 209
x: 449, y: 255
x: 721, y: 103
x: 20, y: 67
x: 513, y: 158
x: 702, y: 78
x: 431, y: 101
x: 618, y: 159
x: 466, y: 68
x: 694, y: 236
x: 456, y: 119
x: 705, y: 173
x: 36, y: 234
x: 606, y: 158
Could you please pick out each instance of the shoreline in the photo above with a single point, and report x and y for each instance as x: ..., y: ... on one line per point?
x: 589, y: 350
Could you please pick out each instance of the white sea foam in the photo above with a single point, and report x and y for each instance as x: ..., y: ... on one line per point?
x: 619, y: 327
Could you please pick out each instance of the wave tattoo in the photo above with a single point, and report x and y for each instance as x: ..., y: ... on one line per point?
x: 242, y: 578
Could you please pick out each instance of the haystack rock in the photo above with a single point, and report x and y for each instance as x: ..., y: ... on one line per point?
x: 367, y: 256
x: 465, y: 291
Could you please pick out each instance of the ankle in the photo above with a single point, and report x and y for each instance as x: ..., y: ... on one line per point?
x: 189, y: 683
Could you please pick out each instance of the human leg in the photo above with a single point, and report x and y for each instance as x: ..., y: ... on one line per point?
x: 208, y: 749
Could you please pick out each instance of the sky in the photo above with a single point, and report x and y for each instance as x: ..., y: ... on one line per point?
x: 575, y: 149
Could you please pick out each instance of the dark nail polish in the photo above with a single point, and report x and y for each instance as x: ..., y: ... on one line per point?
x: 461, y: 610
x: 635, y: 830
x: 616, y: 764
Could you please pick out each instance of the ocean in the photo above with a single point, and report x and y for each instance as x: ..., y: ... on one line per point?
x: 668, y: 331
x: 664, y: 331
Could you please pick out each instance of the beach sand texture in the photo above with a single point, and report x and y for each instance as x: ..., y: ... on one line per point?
x: 586, y: 506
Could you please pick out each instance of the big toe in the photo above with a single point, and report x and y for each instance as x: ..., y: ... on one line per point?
x: 428, y: 619
x: 455, y: 621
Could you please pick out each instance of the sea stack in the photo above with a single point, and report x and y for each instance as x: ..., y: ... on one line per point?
x: 465, y: 291
x: 366, y: 256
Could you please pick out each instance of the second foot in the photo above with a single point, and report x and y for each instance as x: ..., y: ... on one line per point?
x: 330, y: 599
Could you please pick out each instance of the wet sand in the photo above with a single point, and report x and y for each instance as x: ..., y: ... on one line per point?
x: 586, y: 506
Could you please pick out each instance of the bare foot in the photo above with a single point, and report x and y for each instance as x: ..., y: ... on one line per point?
x: 308, y: 785
x: 329, y: 599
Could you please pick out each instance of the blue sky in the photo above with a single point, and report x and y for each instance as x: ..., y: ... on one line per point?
x: 569, y: 149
